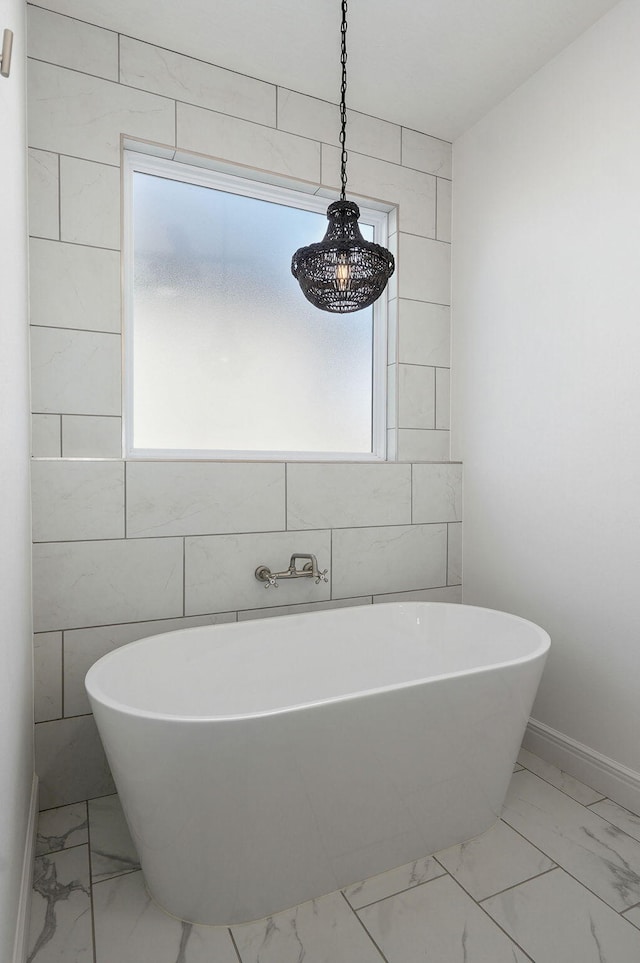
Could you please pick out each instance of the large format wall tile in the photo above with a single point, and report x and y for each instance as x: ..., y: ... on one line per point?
x: 89, y: 203
x: 72, y: 43
x: 443, y: 399
x: 443, y: 210
x: 343, y: 496
x: 44, y: 206
x: 83, y: 647
x: 77, y: 500
x: 320, y: 120
x: 75, y: 372
x: 423, y: 333
x: 220, y: 570
x: 74, y: 286
x: 91, y: 436
x: 245, y: 143
x: 78, y: 584
x: 70, y: 762
x: 425, y: 153
x: 437, y: 493
x: 454, y: 553
x: 447, y: 593
x: 203, y: 85
x: 279, y: 610
x: 424, y: 268
x: 178, y: 498
x: 83, y: 116
x: 47, y: 676
x: 373, y: 561
x: 45, y: 436
x: 414, y: 192
x: 423, y: 444
x: 416, y: 396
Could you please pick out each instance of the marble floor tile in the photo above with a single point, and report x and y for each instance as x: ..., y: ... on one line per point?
x: 598, y: 854
x: 323, y: 930
x: 561, y: 780
x: 62, y: 828
x: 633, y: 915
x: 112, y: 849
x: 627, y: 821
x: 558, y: 921
x: 60, y: 926
x: 437, y: 921
x: 493, y: 861
x: 131, y: 928
x: 395, y: 881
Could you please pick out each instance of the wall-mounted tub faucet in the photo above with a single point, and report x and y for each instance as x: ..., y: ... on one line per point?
x: 309, y: 570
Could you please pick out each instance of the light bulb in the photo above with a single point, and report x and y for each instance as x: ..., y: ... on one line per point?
x: 343, y: 274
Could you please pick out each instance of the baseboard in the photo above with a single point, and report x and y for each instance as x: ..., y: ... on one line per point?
x: 609, y: 777
x: 21, y: 948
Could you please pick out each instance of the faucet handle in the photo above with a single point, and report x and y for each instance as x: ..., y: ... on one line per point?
x: 322, y: 576
x: 264, y: 574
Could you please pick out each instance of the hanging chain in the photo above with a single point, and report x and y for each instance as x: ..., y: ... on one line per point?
x: 343, y: 102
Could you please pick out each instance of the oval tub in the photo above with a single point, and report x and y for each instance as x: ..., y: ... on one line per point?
x: 264, y: 763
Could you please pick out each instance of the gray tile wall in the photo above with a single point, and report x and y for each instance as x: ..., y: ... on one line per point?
x: 127, y: 550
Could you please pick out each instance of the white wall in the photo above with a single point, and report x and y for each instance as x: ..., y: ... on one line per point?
x: 546, y: 355
x: 16, y: 712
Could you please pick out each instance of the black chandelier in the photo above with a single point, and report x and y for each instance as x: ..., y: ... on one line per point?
x: 342, y: 272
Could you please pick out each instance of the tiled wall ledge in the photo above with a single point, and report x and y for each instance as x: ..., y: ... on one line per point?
x: 125, y: 550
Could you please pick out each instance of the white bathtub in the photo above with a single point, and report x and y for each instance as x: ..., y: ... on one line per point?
x: 261, y: 764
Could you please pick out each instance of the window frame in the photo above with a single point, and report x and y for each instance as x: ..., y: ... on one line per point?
x: 312, y: 199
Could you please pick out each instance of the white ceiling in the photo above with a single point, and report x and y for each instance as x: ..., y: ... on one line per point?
x: 433, y: 65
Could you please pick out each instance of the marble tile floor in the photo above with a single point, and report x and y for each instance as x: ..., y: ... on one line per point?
x: 556, y: 880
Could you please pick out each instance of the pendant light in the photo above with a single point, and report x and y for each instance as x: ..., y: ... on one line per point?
x: 343, y: 272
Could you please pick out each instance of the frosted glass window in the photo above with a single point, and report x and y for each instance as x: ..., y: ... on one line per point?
x: 226, y: 355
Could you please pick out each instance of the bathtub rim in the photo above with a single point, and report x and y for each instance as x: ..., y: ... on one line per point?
x: 105, y: 701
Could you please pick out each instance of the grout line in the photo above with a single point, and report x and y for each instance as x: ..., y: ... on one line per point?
x: 286, y: 497
x: 355, y: 913
x: 59, y: 198
x: 564, y: 793
x: 564, y: 868
x: 124, y: 497
x: 61, y: 439
x: 57, y: 327
x: 274, y: 531
x: 496, y: 924
x: 184, y: 577
x: 93, y: 922
x: 62, y: 674
x: 435, y: 212
x: 507, y: 889
x: 228, y: 70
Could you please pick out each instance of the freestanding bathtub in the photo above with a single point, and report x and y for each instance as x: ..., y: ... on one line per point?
x: 264, y: 763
